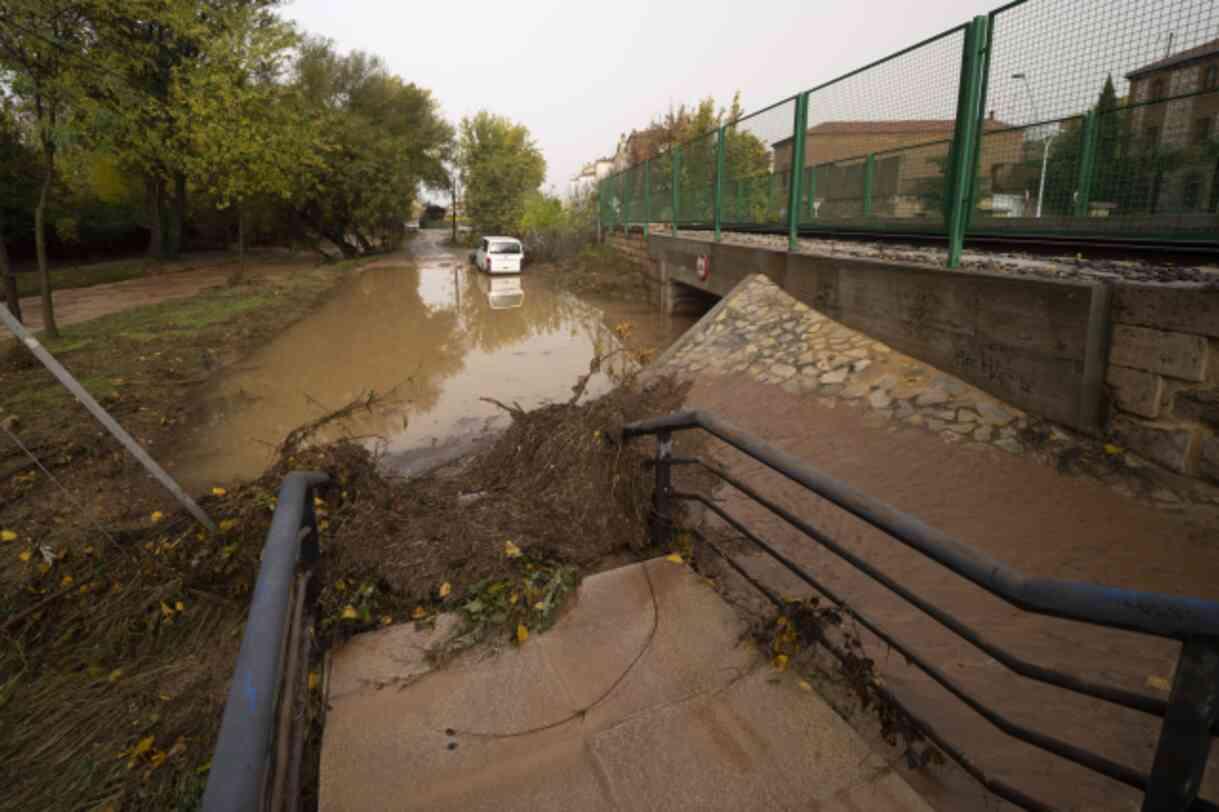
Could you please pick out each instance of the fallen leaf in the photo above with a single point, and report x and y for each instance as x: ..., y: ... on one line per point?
x: 511, y: 550
x: 340, y: 585
x: 1112, y: 450
x: 675, y: 558
x: 386, y: 620
x: 445, y: 589
x: 419, y: 614
x: 179, y: 747
x: 180, y: 606
x: 514, y: 598
x: 218, y: 491
x: 1159, y: 683
x: 780, y: 662
x: 227, y: 524
x: 143, y: 745
x: 157, y: 516
x: 24, y: 555
x: 350, y: 613
x: 7, y: 535
x: 804, y: 686
x: 115, y: 675
x: 157, y: 759
x: 522, y: 633
x: 314, y: 679
x: 66, y: 581
x: 540, y: 606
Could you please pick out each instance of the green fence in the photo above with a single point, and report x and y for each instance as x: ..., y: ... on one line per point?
x: 1045, y: 118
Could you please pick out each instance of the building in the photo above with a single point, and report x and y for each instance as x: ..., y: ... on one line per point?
x: 910, y: 157
x: 1175, y: 105
x: 592, y: 173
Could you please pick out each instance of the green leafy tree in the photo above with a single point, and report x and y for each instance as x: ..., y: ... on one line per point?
x: 501, y: 165
x: 18, y: 181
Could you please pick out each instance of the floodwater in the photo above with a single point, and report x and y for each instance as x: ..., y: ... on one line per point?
x: 432, y: 338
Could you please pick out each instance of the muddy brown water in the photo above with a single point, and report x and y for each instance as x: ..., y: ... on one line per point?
x: 432, y: 336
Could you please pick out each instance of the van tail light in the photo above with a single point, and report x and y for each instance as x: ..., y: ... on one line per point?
x: 488, y: 264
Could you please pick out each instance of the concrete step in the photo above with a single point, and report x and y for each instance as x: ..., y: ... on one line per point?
x: 645, y: 695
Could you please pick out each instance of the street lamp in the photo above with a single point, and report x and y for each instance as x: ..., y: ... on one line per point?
x: 1045, y: 146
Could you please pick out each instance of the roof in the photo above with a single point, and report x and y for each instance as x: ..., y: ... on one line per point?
x: 1178, y: 60
x: 503, y: 239
x: 924, y: 126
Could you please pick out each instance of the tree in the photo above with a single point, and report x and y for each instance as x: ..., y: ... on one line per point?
x: 18, y: 179
x: 501, y: 165
x: 44, y: 43
x: 245, y: 139
x: 386, y: 138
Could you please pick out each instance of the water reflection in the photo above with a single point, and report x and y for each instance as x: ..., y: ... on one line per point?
x: 436, y: 339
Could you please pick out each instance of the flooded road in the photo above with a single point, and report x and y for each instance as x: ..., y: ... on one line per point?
x: 430, y: 335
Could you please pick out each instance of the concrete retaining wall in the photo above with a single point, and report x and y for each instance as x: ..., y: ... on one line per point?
x: 1138, y: 364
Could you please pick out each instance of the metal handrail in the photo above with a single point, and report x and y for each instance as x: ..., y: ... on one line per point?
x: 241, y: 764
x: 1190, y: 714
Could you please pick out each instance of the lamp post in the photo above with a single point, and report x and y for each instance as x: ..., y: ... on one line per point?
x: 1045, y: 145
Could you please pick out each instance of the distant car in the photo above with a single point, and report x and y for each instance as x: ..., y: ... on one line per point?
x: 412, y: 225
x: 499, y: 255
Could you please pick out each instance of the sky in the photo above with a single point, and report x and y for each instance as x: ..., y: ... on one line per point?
x: 579, y: 74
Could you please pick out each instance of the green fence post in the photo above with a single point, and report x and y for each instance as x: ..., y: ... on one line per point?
x: 626, y: 204
x: 1087, y: 165
x: 719, y: 182
x: 676, y: 176
x: 964, y: 154
x: 800, y: 127
x: 647, y: 196
x: 869, y: 174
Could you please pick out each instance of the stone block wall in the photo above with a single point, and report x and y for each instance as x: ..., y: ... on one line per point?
x: 1163, y: 376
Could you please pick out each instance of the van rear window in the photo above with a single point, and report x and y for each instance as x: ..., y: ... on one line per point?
x: 505, y: 248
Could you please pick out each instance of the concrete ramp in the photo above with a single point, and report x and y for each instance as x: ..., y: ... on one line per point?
x: 645, y: 695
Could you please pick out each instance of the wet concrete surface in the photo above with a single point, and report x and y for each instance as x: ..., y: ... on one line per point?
x: 432, y: 337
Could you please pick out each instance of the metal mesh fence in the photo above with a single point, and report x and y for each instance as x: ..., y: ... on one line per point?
x: 1095, y: 117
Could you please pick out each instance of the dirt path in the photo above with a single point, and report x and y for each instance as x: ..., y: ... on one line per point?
x: 1014, y: 509
x: 76, y: 305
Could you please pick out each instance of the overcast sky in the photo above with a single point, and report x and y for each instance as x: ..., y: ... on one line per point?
x: 579, y: 74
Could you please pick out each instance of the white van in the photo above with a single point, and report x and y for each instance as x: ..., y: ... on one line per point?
x: 499, y: 255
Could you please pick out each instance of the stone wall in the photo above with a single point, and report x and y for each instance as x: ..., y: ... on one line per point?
x: 1163, y: 376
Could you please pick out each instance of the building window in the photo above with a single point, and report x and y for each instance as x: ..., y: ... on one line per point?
x: 1203, y: 129
x: 1192, y: 196
x: 1157, y: 89
x: 1210, y: 78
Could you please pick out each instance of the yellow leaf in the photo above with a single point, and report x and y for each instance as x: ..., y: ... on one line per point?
x: 1112, y: 450
x: 1159, y: 683
x: 157, y: 516
x: 804, y: 686
x: 143, y: 745
x: 675, y: 558
x: 419, y: 614
x: 349, y: 612
x: 514, y: 598
x: 522, y: 633
x: 88, y: 549
x: 7, y: 535
x: 314, y: 679
x: 157, y: 759
x: 540, y: 605
x: 115, y: 675
x: 445, y: 589
x: 227, y: 524
x: 511, y: 550
x: 386, y: 620
x: 180, y: 606
x: 780, y: 662
x: 218, y: 491
x: 340, y: 585
x: 24, y: 555
x: 166, y: 610
x: 66, y: 581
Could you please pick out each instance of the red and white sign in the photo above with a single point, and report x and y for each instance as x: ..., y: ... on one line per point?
x: 703, y: 267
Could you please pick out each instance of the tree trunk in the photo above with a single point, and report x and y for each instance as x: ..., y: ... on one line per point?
x: 11, y: 298
x: 177, y: 217
x: 153, y: 192
x: 40, y: 246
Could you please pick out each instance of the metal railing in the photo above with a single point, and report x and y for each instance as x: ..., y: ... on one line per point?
x: 1190, y: 714
x: 1074, y: 119
x: 256, y: 763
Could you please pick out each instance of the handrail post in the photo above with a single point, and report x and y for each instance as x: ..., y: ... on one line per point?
x: 647, y: 196
x: 1185, y: 736
x: 662, y: 520
x: 719, y: 181
x: 1087, y: 165
x: 869, y: 175
x: 676, y: 162
x: 963, y: 157
x: 799, y: 136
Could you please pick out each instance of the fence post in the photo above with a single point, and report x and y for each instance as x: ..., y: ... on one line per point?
x: 676, y: 181
x: 1185, y: 736
x: 662, y: 521
x: 963, y: 158
x: 1087, y: 165
x: 719, y: 182
x: 869, y: 175
x: 626, y: 206
x: 647, y: 197
x: 799, y: 136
